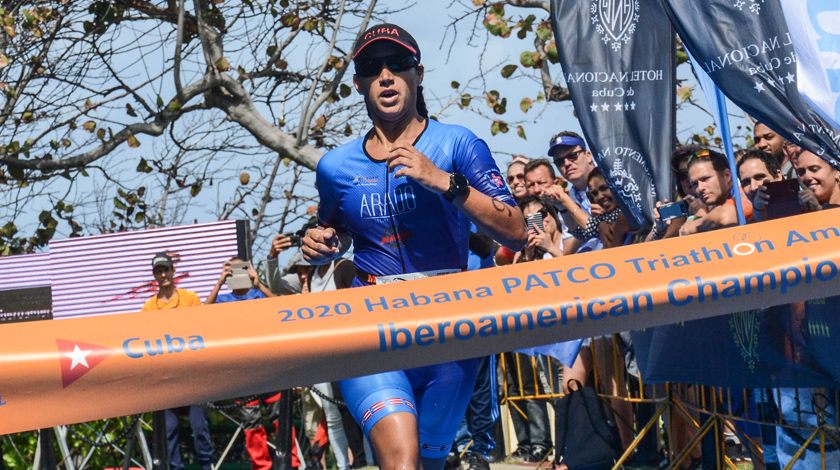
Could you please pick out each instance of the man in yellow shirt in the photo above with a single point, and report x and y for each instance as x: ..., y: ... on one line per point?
x: 169, y: 296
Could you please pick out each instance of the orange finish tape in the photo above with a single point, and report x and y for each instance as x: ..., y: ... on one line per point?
x: 68, y: 371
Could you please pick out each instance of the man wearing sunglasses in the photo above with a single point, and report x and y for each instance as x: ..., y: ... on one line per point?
x: 568, y: 150
x: 404, y: 196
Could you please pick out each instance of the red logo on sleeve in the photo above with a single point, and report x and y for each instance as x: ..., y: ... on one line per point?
x: 77, y: 359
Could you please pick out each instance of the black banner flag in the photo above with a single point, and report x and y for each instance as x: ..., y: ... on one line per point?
x: 618, y: 59
x: 745, y: 47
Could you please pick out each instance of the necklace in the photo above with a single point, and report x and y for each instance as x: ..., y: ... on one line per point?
x: 177, y: 295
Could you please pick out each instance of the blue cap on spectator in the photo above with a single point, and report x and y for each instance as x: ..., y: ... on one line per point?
x: 565, y: 141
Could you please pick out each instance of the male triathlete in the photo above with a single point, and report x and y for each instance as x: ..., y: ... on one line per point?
x: 404, y: 196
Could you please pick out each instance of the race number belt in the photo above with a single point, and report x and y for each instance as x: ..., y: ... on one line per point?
x: 369, y: 278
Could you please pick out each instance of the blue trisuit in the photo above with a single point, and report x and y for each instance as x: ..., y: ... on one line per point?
x: 399, y: 227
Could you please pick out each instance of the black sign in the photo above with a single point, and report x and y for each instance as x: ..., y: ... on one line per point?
x: 29, y: 304
x: 745, y: 47
x: 618, y: 59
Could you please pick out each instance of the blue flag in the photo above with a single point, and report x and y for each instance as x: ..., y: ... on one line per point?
x: 755, y: 349
x: 619, y: 59
x: 745, y: 47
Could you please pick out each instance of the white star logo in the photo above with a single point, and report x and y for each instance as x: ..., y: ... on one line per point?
x: 626, y: 106
x: 618, y: 107
x: 79, y: 357
x: 605, y: 107
x: 594, y: 108
x: 790, y: 77
x: 771, y: 82
x: 633, y: 105
x: 759, y: 86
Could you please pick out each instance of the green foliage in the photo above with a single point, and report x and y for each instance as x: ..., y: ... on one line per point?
x: 130, y: 209
x: 498, y: 126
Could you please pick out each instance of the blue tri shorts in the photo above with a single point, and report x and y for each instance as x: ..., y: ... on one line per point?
x: 437, y: 395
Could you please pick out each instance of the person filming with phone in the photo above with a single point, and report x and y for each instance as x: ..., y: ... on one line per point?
x: 243, y: 282
x: 771, y: 195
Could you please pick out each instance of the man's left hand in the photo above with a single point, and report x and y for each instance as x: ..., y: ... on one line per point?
x: 418, y: 167
x: 689, y: 227
x: 252, y: 273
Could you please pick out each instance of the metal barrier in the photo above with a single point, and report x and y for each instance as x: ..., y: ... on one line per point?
x: 123, y: 443
x: 691, y: 419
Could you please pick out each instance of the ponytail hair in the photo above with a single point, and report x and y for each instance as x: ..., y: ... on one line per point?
x: 421, y: 103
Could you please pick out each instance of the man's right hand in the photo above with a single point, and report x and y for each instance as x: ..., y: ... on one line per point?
x: 279, y: 244
x: 558, y: 196
x: 696, y: 206
x: 321, y: 245
x: 226, y: 271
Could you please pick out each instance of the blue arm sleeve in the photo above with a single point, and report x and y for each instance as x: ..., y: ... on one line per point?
x: 477, y: 164
x: 329, y: 209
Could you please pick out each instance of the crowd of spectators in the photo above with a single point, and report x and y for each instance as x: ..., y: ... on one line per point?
x: 570, y: 209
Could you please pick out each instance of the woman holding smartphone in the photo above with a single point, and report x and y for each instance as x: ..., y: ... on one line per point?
x: 544, y: 237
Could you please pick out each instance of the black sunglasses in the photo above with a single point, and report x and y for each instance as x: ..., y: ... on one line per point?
x: 395, y: 63
x: 560, y: 161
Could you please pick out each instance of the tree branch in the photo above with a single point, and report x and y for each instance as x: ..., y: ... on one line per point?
x: 240, y: 108
x: 178, y: 42
x: 553, y: 92
x: 154, y: 128
x: 333, y: 85
x: 168, y: 15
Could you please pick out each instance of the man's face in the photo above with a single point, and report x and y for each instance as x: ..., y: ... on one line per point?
x: 574, y: 164
x: 516, y: 180
x: 389, y: 95
x: 302, y: 272
x: 753, y: 174
x: 709, y: 185
x: 538, y: 180
x: 164, y: 275
x: 766, y: 139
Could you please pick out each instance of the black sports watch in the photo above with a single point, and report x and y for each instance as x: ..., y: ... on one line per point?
x: 458, y: 185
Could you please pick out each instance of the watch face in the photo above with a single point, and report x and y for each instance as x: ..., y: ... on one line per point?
x: 460, y: 180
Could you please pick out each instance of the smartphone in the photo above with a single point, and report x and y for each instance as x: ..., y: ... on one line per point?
x: 240, y: 278
x: 295, y: 239
x: 782, y: 190
x: 783, y: 198
x: 535, y: 219
x: 673, y: 210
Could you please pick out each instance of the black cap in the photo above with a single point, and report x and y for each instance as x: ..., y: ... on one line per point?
x: 390, y: 32
x: 162, y: 259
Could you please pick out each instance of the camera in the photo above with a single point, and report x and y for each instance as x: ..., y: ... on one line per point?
x: 293, y: 238
x: 297, y: 237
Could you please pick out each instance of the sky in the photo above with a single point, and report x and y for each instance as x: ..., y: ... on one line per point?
x: 543, y: 121
x: 447, y: 57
